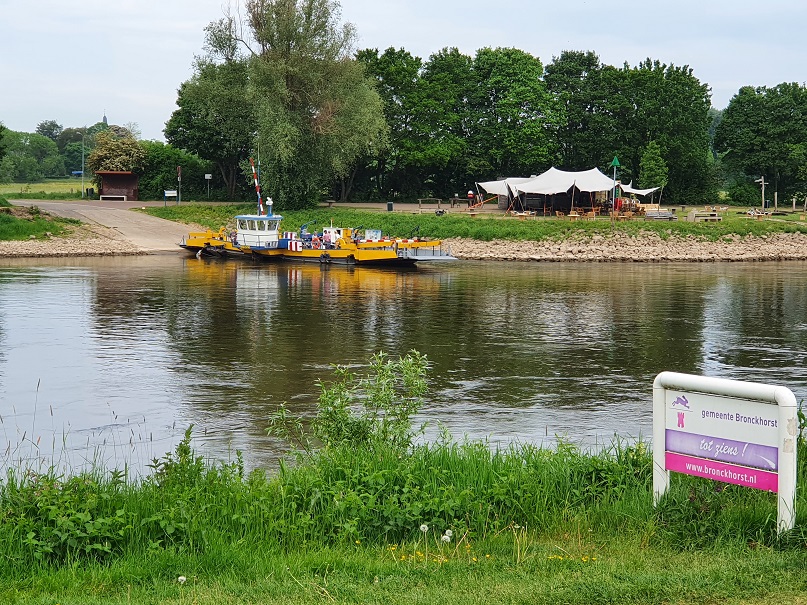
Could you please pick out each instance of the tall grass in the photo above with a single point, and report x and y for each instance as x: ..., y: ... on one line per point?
x: 361, y: 489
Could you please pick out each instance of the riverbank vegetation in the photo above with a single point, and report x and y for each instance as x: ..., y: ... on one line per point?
x: 18, y: 222
x: 392, y: 126
x: 366, y: 512
x: 406, y: 222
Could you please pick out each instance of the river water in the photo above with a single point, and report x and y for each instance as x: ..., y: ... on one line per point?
x: 109, y: 360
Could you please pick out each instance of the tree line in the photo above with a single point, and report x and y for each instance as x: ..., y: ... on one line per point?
x: 286, y: 84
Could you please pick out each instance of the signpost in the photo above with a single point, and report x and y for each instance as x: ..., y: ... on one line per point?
x: 615, y: 165
x: 727, y: 430
x: 208, y: 178
x: 179, y: 184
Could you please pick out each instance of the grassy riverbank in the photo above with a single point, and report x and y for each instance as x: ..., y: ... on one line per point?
x: 22, y: 223
x: 367, y: 516
x: 486, y: 227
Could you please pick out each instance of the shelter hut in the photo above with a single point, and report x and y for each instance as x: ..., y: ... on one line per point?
x: 118, y: 184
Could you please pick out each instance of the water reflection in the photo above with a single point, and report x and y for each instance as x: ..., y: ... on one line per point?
x: 125, y: 353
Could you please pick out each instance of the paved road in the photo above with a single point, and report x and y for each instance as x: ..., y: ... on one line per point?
x: 146, y: 232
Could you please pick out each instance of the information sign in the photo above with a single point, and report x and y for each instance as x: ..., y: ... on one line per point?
x: 727, y: 430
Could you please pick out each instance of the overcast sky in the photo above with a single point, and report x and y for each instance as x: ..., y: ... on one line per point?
x: 73, y: 61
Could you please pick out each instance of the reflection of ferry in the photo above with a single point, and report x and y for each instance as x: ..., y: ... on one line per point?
x: 259, y: 235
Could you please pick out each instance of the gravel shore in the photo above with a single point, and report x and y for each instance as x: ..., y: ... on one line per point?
x: 648, y: 247
x: 86, y: 240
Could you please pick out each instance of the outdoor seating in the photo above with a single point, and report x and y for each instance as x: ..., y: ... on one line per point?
x: 560, y: 214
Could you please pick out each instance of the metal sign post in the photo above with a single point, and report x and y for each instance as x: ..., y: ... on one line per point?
x: 179, y: 184
x: 208, y: 178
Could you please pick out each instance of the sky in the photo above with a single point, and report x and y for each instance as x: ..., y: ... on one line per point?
x: 75, y: 62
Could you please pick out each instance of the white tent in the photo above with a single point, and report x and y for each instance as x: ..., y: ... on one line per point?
x: 555, y: 181
x: 500, y: 187
x: 628, y: 189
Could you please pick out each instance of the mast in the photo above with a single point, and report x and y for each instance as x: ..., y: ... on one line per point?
x: 257, y: 188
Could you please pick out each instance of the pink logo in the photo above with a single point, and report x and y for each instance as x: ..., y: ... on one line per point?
x: 680, y: 420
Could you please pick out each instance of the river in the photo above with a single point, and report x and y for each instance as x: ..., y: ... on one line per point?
x: 109, y: 360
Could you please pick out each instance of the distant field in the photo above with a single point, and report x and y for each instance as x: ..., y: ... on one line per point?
x: 60, y: 186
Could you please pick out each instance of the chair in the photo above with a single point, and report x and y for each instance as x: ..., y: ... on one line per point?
x: 560, y: 214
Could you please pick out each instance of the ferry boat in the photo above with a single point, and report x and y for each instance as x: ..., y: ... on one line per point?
x: 212, y: 243
x: 259, y: 235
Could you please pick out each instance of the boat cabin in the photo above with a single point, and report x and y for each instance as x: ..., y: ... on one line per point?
x: 258, y: 231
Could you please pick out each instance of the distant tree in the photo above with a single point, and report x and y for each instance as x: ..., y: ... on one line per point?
x: 160, y: 173
x: 70, y: 135
x: 30, y: 157
x: 50, y: 129
x: 134, y: 130
x: 215, y: 119
x: 653, y: 170
x: 116, y: 153
x: 316, y: 111
x: 3, y: 143
x: 762, y: 134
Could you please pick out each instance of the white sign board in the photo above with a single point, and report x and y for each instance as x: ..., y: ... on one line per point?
x: 727, y: 430
x: 208, y: 176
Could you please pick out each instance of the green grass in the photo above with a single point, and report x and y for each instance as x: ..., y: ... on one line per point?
x: 486, y: 227
x: 52, y: 189
x: 29, y: 223
x: 529, y: 525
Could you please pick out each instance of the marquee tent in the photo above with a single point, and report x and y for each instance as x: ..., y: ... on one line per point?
x: 628, y: 189
x: 555, y: 181
x: 501, y: 187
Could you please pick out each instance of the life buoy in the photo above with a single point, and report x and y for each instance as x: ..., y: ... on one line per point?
x: 315, y: 243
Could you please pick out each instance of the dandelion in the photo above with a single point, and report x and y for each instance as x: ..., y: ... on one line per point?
x: 182, y: 579
x: 446, y: 538
x: 358, y: 541
x: 424, y: 528
x: 449, y: 533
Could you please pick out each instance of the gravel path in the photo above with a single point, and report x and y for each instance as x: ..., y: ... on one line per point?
x: 110, y: 228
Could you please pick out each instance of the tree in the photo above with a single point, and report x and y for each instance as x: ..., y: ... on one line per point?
x: 762, y: 132
x: 216, y: 118
x: 396, y: 74
x: 30, y: 157
x: 316, y: 110
x: 652, y: 168
x: 50, y: 129
x: 116, y: 153
x: 580, y: 84
x: 3, y: 143
x: 513, y: 120
x: 160, y: 173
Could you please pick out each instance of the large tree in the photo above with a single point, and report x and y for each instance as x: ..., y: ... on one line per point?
x: 316, y: 110
x: 763, y: 133
x: 397, y: 74
x: 216, y: 118
x: 512, y: 117
x: 116, y: 153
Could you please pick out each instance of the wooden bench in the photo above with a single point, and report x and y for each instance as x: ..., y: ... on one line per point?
x: 108, y: 197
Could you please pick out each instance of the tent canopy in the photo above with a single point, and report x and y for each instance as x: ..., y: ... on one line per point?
x: 560, y: 181
x: 628, y: 189
x: 500, y: 187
